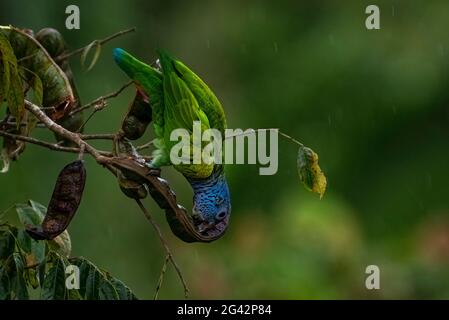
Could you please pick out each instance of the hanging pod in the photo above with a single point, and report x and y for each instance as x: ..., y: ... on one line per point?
x: 64, y: 202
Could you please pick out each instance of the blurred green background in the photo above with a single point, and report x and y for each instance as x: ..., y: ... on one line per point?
x: 372, y: 104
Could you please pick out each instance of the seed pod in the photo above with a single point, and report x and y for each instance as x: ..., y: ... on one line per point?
x: 137, y: 118
x: 55, y: 45
x: 130, y: 185
x: 181, y: 223
x: 64, y: 202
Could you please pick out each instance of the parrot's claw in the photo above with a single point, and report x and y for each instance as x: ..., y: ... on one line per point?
x: 155, y: 171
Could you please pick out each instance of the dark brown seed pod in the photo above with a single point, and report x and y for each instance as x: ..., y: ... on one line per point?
x: 64, y: 202
x: 130, y: 186
x: 181, y: 223
x: 137, y: 117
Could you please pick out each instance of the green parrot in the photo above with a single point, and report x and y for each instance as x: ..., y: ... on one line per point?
x: 178, y: 98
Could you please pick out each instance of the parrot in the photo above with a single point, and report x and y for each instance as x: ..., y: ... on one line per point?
x: 178, y: 97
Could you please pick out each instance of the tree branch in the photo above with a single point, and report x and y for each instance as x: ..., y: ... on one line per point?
x: 100, y: 101
x: 61, y: 131
x: 101, y: 42
x: 48, y: 145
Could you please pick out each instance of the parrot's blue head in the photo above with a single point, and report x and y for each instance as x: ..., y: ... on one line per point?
x: 211, y: 200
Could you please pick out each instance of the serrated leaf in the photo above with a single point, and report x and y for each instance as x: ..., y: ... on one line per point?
x: 95, y: 57
x: 107, y: 290
x: 53, y: 287
x: 89, y: 278
x: 93, y: 283
x: 310, y: 172
x: 123, y: 291
x: 18, y: 284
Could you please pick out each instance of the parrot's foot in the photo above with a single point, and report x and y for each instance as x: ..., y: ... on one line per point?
x: 154, y: 170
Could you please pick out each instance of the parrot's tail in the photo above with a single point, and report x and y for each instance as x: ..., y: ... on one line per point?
x: 130, y: 65
x: 167, y: 61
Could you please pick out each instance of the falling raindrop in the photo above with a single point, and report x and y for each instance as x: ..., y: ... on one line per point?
x: 392, y: 11
x: 208, y: 44
x: 275, y: 46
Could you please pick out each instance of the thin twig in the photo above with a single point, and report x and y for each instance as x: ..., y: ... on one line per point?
x: 100, y: 100
x: 101, y: 42
x: 64, y: 133
x: 48, y: 145
x: 98, y: 136
x: 145, y: 146
x: 81, y: 154
x: 165, y: 245
x: 161, y: 277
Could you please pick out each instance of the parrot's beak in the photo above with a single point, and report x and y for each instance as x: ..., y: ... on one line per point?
x: 205, y: 226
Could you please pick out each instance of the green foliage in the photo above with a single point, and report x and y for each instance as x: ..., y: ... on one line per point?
x: 11, y: 88
x: 27, y: 264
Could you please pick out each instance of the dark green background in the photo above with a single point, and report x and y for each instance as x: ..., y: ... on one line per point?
x: 372, y: 104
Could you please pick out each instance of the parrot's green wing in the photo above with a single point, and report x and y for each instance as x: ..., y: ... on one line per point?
x: 206, y: 99
x: 181, y: 111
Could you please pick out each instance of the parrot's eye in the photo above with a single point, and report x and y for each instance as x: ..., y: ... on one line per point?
x: 221, y: 215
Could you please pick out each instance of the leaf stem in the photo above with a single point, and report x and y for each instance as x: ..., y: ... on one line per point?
x: 99, y: 103
x: 282, y: 134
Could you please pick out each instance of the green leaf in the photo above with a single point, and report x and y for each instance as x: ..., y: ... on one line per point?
x: 38, y: 89
x: 39, y: 208
x: 124, y: 292
x: 73, y: 294
x: 310, y: 172
x: 62, y: 244
x: 6, y: 54
x: 57, y: 92
x: 28, y: 215
x: 18, y: 284
x: 86, y: 51
x: 24, y: 241
x: 89, y: 278
x: 15, y: 96
x: 5, y: 290
x: 54, y: 287
x: 7, y: 244
x: 107, y: 290
x: 93, y: 283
